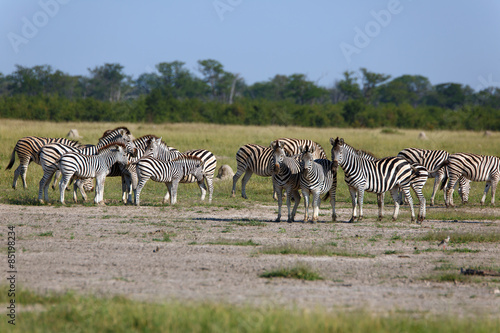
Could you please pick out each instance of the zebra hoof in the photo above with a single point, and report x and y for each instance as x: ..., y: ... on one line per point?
x: 351, y: 220
x: 278, y: 220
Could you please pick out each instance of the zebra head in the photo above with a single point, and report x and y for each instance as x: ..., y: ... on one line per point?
x: 278, y: 155
x: 119, y: 151
x: 153, y: 147
x: 307, y: 157
x: 337, y: 151
x: 119, y: 135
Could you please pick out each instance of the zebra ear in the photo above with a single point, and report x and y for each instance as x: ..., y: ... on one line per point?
x: 342, y: 141
x: 332, y: 142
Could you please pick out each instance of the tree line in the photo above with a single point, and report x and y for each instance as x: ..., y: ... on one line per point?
x: 172, y: 93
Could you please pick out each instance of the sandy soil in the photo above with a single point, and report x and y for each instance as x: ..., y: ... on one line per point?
x: 115, y: 250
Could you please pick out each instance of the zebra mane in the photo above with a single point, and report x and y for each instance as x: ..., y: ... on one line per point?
x: 187, y: 157
x: 109, y: 145
x: 364, y: 152
x: 108, y: 132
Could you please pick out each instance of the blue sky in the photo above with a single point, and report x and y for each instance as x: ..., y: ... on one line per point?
x: 446, y: 41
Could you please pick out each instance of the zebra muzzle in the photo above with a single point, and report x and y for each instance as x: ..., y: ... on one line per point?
x: 276, y: 168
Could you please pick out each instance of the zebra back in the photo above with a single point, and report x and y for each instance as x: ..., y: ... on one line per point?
x: 254, y: 157
x: 430, y: 159
x: 294, y: 146
x: 209, y: 164
x: 475, y: 167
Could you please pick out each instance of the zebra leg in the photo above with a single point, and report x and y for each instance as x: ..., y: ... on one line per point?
x: 43, y: 190
x: 57, y: 175
x: 437, y: 181
x: 380, y: 202
x: 79, y: 183
x: 296, y: 198
x: 99, y: 189
x: 494, y: 184
x: 280, y: 202
x: 133, y: 187
x: 21, y: 170
x: 62, y: 186
x: 361, y: 195
x: 172, y: 188
x: 244, y: 182
x: 354, y: 201
x: 240, y: 170
x: 449, y: 191
x: 140, y: 184
x: 486, y: 188
x: 316, y: 201
x: 210, y: 185
x: 305, y: 194
x: 464, y: 189
x: 395, y: 197
x: 203, y: 189
x: 166, y: 198
x: 332, y: 203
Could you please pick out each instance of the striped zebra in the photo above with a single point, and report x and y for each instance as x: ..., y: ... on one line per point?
x: 27, y: 150
x: 317, y: 177
x: 169, y: 173
x: 252, y: 158
x: 477, y: 168
x: 379, y: 176
x: 430, y: 159
x: 51, y: 153
x: 78, y: 165
x: 285, y: 174
x: 147, y: 145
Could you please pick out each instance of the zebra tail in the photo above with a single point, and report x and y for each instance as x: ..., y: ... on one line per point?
x: 12, y: 159
x: 445, y: 179
x: 327, y: 195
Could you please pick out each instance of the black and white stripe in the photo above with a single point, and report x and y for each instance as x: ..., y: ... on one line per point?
x: 379, y: 176
x: 169, y: 173
x: 317, y: 176
x: 27, y: 150
x: 477, y: 168
x: 252, y: 158
x: 430, y: 159
x: 285, y: 174
x: 51, y: 153
x: 81, y: 166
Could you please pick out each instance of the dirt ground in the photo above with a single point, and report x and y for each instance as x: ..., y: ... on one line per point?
x: 118, y: 250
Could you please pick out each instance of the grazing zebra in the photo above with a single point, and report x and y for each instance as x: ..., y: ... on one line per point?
x: 430, y: 159
x: 379, y: 176
x: 285, y: 172
x: 317, y: 176
x: 27, y: 150
x: 78, y: 165
x: 169, y: 173
x: 252, y: 158
x: 477, y: 168
x: 50, y: 154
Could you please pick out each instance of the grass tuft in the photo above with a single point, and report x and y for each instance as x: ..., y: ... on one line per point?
x: 300, y: 271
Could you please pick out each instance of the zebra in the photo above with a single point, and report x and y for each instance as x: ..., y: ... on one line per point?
x: 478, y: 168
x: 430, y: 159
x: 317, y: 176
x: 27, y: 150
x: 382, y: 175
x: 147, y: 145
x: 169, y: 173
x: 75, y: 164
x: 253, y: 158
x: 285, y: 174
x: 50, y: 154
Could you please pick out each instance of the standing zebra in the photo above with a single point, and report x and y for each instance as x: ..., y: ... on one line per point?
x: 169, y: 173
x: 75, y: 164
x: 379, y: 176
x: 317, y: 176
x: 478, y: 168
x: 430, y: 159
x: 252, y: 158
x: 50, y: 154
x: 285, y: 177
x: 27, y: 150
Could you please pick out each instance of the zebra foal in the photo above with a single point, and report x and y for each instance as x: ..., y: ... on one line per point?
x: 285, y: 173
x: 378, y: 176
x: 78, y: 165
x: 477, y: 168
x: 317, y: 177
x: 170, y: 173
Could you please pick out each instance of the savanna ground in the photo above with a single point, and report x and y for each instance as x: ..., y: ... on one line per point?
x: 218, y: 252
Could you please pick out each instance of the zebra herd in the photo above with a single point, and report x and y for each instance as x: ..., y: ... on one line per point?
x: 117, y: 153
x: 293, y: 164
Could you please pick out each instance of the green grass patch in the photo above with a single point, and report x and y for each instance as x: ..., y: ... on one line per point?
x: 46, y: 234
x: 166, y: 237
x: 461, y: 237
x: 249, y: 223
x: 317, y: 250
x: 70, y: 312
x: 299, y: 271
x: 233, y: 242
